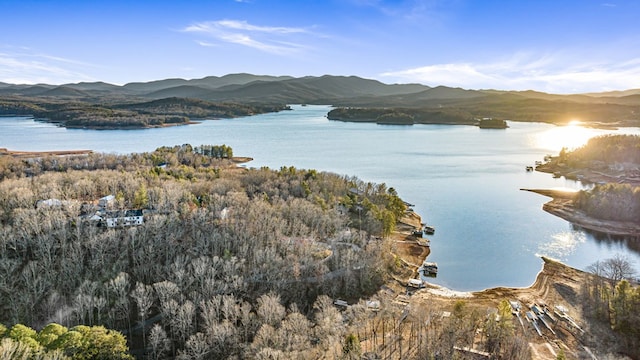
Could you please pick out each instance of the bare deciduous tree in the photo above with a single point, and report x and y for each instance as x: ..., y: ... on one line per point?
x: 158, y: 341
x: 270, y: 310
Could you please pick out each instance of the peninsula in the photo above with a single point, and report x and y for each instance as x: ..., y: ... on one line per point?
x: 612, y: 206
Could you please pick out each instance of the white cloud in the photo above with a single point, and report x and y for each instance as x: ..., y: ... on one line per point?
x: 271, y: 39
x: 243, y: 25
x: 206, y: 43
x: 524, y: 72
x: 30, y: 68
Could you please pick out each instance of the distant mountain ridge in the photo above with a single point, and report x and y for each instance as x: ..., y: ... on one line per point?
x: 350, y: 91
x: 266, y: 88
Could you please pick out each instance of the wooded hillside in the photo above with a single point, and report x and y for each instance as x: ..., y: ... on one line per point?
x: 227, y: 259
x: 112, y: 113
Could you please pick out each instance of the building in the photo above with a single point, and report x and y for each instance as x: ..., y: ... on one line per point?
x: 106, y: 201
x: 122, y: 218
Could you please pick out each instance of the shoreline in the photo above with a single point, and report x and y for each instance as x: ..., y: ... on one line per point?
x: 555, y: 285
x: 20, y: 153
x: 166, y: 125
x: 561, y: 205
x: 589, y: 175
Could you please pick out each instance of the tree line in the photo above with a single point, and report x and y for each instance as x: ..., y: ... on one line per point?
x: 607, y: 149
x: 402, y: 115
x: 216, y: 151
x: 620, y: 202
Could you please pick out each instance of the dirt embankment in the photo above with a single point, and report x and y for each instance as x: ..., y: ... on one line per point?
x: 557, y: 286
x: 28, y: 154
x: 410, y: 250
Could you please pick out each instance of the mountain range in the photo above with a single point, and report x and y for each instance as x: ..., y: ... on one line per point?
x: 265, y: 88
x: 349, y: 91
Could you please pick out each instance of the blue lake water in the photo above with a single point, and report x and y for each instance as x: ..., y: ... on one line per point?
x: 463, y: 180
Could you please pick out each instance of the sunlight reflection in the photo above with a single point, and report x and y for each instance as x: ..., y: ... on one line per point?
x: 570, y: 136
x: 562, y: 244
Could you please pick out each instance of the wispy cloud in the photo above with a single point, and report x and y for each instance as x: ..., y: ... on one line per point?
x: 206, y: 43
x: 26, y: 67
x: 522, y: 72
x: 408, y: 10
x: 271, y: 39
x: 243, y: 25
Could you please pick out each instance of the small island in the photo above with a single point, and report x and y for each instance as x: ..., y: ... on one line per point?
x: 490, y: 123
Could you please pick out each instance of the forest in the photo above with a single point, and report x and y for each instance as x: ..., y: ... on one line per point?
x: 221, y: 249
x: 230, y: 262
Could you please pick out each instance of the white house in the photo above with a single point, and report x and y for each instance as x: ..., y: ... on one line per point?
x: 124, y: 218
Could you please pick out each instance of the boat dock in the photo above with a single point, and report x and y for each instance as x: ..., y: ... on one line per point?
x: 429, y: 268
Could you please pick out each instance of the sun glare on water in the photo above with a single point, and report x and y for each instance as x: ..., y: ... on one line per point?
x: 562, y: 244
x: 571, y: 136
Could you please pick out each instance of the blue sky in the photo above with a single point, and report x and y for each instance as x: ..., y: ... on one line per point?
x: 558, y: 46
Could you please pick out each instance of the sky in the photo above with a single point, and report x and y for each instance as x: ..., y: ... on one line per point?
x: 555, y: 46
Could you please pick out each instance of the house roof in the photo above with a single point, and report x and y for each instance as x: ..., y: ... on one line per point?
x: 123, y: 213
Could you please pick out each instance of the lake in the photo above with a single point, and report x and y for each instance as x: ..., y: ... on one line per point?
x: 463, y: 180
